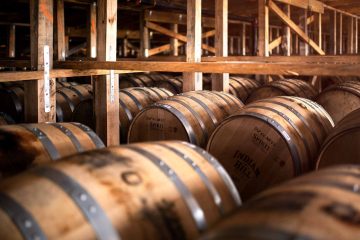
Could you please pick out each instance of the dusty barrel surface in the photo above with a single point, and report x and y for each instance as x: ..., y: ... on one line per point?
x: 190, y: 117
x: 164, y: 190
x: 288, y: 87
x: 342, y: 145
x: 242, y: 87
x: 340, y: 100
x: 321, y: 205
x: 270, y: 141
x: 132, y: 101
x: 24, y: 145
x: 12, y: 102
x: 135, y: 80
x: 67, y: 98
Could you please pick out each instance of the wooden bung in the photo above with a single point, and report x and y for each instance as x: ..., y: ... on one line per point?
x: 270, y: 141
x: 242, y: 87
x: 190, y: 117
x: 132, y: 101
x: 25, y: 145
x: 164, y: 190
x: 341, y: 99
x: 342, y: 146
x: 288, y: 87
x: 320, y: 205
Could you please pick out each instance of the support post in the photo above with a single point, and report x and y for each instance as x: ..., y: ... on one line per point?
x: 60, y: 21
x: 304, y: 46
x: 350, y: 36
x: 193, y: 80
x: 106, y: 87
x: 91, y: 38
x: 174, y: 43
x: 38, y: 107
x: 333, y: 33
x: 340, y: 33
x: 287, y: 33
x: 243, y: 39
x: 144, y: 37
x: 263, y: 21
x: 12, y: 39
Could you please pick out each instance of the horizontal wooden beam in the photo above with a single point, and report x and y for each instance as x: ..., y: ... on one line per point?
x: 287, y: 69
x: 312, y: 5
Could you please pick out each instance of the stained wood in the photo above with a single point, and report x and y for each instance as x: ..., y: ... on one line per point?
x: 135, y: 196
x: 341, y: 99
x: 295, y: 209
x: 174, y: 85
x: 288, y: 87
x: 12, y: 41
x: 242, y: 87
x: 60, y: 27
x: 21, y: 148
x: 136, y: 80
x: 270, y: 141
x: 191, y: 117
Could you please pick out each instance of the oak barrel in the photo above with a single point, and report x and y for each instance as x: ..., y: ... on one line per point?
x: 60, y: 84
x: 321, y: 205
x: 342, y: 145
x: 191, y: 117
x: 24, y: 145
x: 341, y: 99
x: 132, y: 101
x: 135, y: 80
x: 242, y: 87
x: 288, y: 87
x: 12, y: 102
x: 164, y: 190
x: 5, y: 119
x: 270, y: 141
x: 67, y: 98
x: 173, y: 85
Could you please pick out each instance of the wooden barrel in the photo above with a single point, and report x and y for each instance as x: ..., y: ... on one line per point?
x: 342, y: 146
x: 191, y: 117
x: 12, y: 102
x: 132, y: 101
x: 288, y: 87
x: 5, y: 119
x: 173, y: 85
x: 270, y: 141
x: 321, y: 205
x: 29, y: 144
x: 60, y: 84
x: 157, y: 76
x: 341, y: 99
x: 135, y: 80
x: 165, y: 190
x: 242, y: 87
x: 68, y: 98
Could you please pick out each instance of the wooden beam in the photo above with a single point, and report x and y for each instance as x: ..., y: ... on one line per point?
x: 106, y: 87
x: 243, y: 40
x: 144, y: 37
x: 220, y: 82
x: 12, y: 41
x: 286, y: 68
x: 91, y: 38
x: 263, y: 21
x: 356, y: 36
x: 60, y: 26
x: 312, y: 5
x: 304, y: 46
x: 174, y: 43
x: 38, y: 107
x: 193, y: 80
x: 287, y: 33
x: 350, y: 36
x: 274, y: 44
x: 294, y: 27
x: 333, y: 33
x: 341, y: 34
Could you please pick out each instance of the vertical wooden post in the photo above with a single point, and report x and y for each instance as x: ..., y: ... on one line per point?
x: 304, y: 47
x: 193, y: 80
x: 340, y: 33
x: 107, y: 87
x: 350, y: 35
x: 91, y: 38
x: 144, y: 37
x: 278, y: 35
x: 60, y: 21
x: 125, y: 47
x: 333, y: 33
x: 263, y: 21
x: 41, y: 28
x: 356, y: 36
x: 220, y: 82
x: 270, y: 38
x: 319, y: 30
x: 174, y: 43
x: 12, y: 39
x: 287, y: 33
x: 243, y: 40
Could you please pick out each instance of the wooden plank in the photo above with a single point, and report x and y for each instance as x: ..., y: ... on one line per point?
x: 144, y: 37
x: 294, y: 27
x: 243, y: 40
x: 106, y: 87
x: 287, y: 33
x: 174, y: 43
x: 312, y: 5
x: 91, y: 38
x: 220, y: 82
x: 356, y: 36
x: 160, y: 49
x: 350, y: 36
x: 41, y: 21
x: 60, y: 26
x: 12, y: 41
x: 274, y: 44
x: 263, y: 22
x: 193, y: 80
x: 333, y: 33
x: 286, y: 68
x: 341, y: 34
x: 304, y: 46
